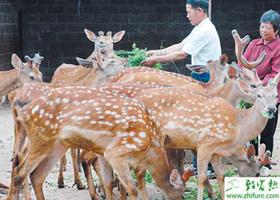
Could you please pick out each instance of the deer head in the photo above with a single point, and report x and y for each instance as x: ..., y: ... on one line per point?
x: 267, y: 96
x: 30, y: 68
x: 15, y: 78
x: 104, y: 42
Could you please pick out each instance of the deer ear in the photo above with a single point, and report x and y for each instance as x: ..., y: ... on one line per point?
x: 261, y: 150
x: 223, y: 59
x: 84, y: 62
x: 251, y: 152
x: 16, y: 61
x: 90, y: 35
x: 276, y: 79
x: 28, y: 60
x: 166, y: 140
x: 175, y: 179
x: 118, y: 36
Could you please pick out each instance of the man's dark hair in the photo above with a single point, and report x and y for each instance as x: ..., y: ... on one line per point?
x: 203, y: 4
x: 272, y: 17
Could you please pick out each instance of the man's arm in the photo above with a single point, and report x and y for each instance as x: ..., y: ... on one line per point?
x: 170, y: 57
x: 168, y: 50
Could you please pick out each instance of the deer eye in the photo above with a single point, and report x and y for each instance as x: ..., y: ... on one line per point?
x: 259, y: 96
x: 253, y: 86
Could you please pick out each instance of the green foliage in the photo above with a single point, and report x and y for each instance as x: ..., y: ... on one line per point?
x: 136, y: 56
x: 244, y: 105
x: 148, y: 177
x: 231, y: 172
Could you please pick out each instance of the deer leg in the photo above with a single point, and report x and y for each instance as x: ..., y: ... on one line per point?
x: 218, y: 167
x: 79, y: 160
x: 123, y: 194
x: 106, y: 174
x: 121, y: 168
x: 60, y: 180
x: 202, y: 163
x: 140, y: 177
x: 96, y: 167
x: 27, y: 194
x: 77, y: 178
x: 40, y: 173
x: 22, y: 169
x: 86, y: 164
x: 176, y: 159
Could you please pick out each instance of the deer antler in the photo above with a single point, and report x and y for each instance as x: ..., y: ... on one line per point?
x: 264, y: 156
x: 100, y: 33
x: 240, y: 45
x: 109, y: 33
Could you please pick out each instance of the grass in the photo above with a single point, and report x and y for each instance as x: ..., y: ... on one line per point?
x: 148, y: 177
x: 136, y: 56
x: 192, y: 193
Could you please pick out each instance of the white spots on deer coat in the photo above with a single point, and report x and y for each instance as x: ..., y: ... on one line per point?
x: 65, y: 100
x: 47, y: 122
x: 35, y: 109
x: 131, y: 146
x: 142, y: 135
x: 57, y: 100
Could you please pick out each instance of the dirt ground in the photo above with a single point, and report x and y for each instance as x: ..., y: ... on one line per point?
x: 70, y: 192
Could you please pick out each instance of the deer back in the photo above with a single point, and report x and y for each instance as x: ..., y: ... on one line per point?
x: 92, y: 117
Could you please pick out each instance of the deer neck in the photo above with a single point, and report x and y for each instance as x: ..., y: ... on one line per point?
x: 232, y: 93
x: 250, y: 123
x: 215, y: 84
x: 104, y: 76
x: 10, y: 80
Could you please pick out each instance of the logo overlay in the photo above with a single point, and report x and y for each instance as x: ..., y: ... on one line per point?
x: 252, y: 188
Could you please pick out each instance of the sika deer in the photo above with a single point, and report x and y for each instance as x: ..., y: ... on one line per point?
x: 198, y: 124
x: 116, y: 127
x: 103, y: 48
x: 229, y: 91
x: 15, y: 78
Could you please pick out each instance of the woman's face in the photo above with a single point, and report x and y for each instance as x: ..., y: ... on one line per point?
x: 267, y: 32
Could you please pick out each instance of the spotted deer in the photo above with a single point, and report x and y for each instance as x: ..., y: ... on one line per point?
x: 116, y: 127
x: 229, y: 91
x: 208, y: 125
x: 89, y: 73
x: 103, y: 48
x: 15, y: 78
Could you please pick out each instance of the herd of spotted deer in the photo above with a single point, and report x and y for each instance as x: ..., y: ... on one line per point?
x: 134, y: 118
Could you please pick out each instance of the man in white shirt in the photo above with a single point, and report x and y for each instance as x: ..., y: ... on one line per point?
x: 203, y: 43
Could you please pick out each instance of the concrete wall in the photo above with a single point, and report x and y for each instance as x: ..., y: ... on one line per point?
x: 10, y: 33
x: 55, y: 27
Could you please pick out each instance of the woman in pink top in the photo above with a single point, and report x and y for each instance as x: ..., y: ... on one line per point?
x: 270, y: 43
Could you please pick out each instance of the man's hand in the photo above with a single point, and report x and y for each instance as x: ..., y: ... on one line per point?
x: 150, y: 61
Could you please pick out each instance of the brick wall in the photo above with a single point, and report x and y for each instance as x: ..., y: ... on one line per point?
x: 9, y: 31
x: 55, y: 29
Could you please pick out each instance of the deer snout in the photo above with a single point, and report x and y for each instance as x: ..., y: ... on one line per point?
x: 271, y: 110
